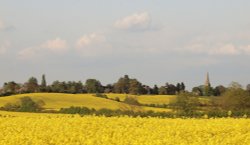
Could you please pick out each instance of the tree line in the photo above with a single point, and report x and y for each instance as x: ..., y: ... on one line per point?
x: 124, y: 85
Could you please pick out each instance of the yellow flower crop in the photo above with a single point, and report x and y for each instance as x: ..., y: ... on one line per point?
x: 43, y: 129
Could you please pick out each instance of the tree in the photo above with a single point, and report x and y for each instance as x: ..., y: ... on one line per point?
x: 32, y: 85
x: 182, y: 87
x: 197, y: 91
x: 178, y: 87
x: 219, y: 90
x: 186, y: 103
x: 248, y: 88
x: 122, y: 86
x: 10, y: 88
x: 162, y: 90
x: 171, y: 89
x: 235, y: 85
x: 155, y: 90
x: 131, y: 101
x: 43, y: 87
x: 235, y: 98
x: 93, y: 86
x: 135, y: 87
x: 25, y: 104
x: 108, y: 88
x: 58, y: 87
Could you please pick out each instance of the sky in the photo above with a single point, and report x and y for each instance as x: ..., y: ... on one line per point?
x: 155, y: 41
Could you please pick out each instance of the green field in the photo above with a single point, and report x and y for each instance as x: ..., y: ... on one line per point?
x: 56, y: 101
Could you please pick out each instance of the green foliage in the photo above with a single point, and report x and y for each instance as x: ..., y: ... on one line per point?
x: 197, y: 91
x: 135, y: 87
x: 101, y: 95
x: 32, y: 85
x: 235, y: 99
x: 235, y: 85
x: 162, y: 90
x: 10, y: 88
x: 122, y: 86
x: 208, y: 91
x: 93, y: 86
x: 186, y: 102
x: 155, y: 90
x: 219, y: 90
x: 117, y: 99
x: 248, y: 88
x: 25, y: 104
x: 131, y: 101
x: 43, y: 87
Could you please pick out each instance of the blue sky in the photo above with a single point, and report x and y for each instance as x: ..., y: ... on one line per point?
x: 154, y: 41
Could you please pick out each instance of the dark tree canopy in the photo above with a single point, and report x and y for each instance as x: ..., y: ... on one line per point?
x: 93, y: 86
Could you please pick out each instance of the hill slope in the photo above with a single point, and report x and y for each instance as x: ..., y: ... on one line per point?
x: 57, y: 101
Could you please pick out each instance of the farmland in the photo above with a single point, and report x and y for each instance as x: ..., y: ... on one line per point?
x: 42, y: 129
x: 56, y: 101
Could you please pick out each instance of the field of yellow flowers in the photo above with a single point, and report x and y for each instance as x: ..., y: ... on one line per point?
x: 43, y: 129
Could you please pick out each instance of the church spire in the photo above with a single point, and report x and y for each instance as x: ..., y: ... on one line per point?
x: 207, y: 82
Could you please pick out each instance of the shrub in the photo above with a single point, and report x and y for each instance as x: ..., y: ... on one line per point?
x: 101, y: 95
x: 131, y: 101
x: 25, y: 104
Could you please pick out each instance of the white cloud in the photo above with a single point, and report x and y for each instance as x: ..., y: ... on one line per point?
x: 56, y: 46
x: 92, y: 45
x: 137, y: 21
x: 4, y: 47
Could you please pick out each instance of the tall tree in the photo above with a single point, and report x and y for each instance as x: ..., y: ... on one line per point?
x: 219, y: 90
x: 178, y: 87
x: 155, y: 90
x: 162, y: 90
x: 43, y: 87
x: 32, y: 85
x: 135, y: 87
x: 182, y: 87
x: 122, y: 86
x: 93, y: 86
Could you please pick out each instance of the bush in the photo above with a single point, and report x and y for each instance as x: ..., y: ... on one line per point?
x: 131, y: 101
x: 117, y: 99
x: 101, y: 95
x: 76, y: 110
x: 186, y: 103
x: 25, y: 104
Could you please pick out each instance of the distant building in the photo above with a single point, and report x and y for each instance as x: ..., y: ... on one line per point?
x: 207, y: 82
x: 207, y: 89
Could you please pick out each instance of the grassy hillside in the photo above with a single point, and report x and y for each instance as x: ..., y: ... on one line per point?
x: 57, y: 101
x: 146, y: 99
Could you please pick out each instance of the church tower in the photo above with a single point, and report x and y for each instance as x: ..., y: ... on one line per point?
x: 207, y: 82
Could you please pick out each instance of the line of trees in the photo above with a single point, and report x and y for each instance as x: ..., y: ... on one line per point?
x: 124, y: 85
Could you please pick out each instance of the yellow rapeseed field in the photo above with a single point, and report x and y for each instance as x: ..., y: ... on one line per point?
x: 56, y: 101
x: 56, y: 129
